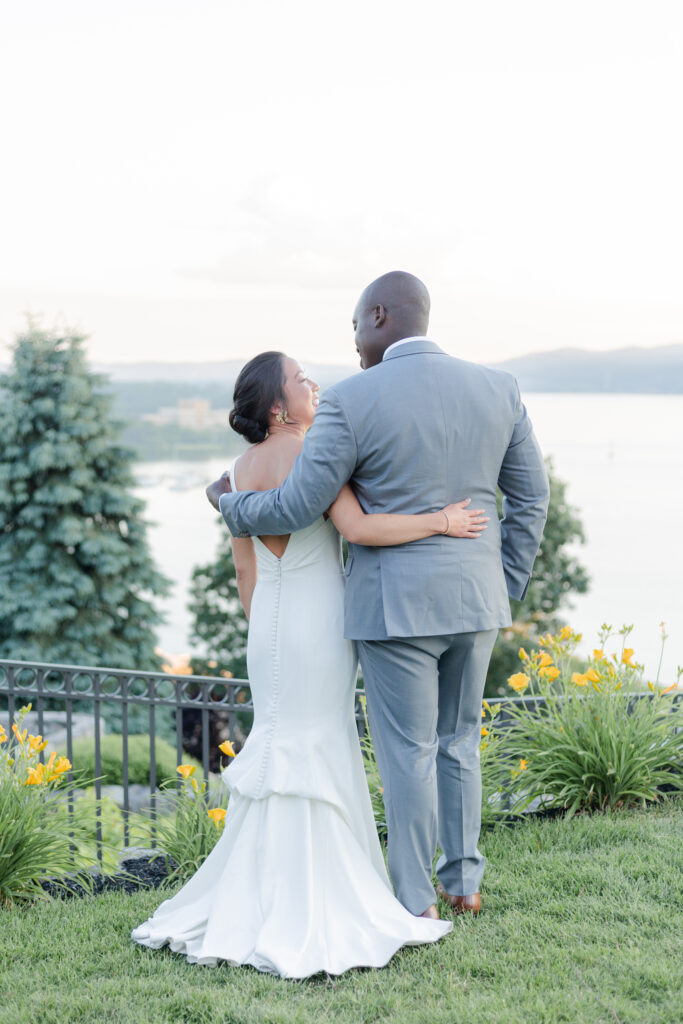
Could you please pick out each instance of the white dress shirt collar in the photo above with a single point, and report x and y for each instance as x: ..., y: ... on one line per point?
x: 404, y: 341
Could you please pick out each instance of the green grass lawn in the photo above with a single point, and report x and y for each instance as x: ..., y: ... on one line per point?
x: 581, y: 923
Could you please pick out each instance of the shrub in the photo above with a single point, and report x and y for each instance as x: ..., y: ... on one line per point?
x: 599, y: 740
x: 190, y: 834
x: 35, y: 840
x: 111, y: 748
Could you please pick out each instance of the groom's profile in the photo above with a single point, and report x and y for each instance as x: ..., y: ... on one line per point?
x: 417, y: 430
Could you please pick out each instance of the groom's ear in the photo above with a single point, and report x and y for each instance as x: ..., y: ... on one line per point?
x: 380, y: 314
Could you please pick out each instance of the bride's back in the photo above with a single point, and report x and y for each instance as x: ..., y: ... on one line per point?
x: 263, y: 467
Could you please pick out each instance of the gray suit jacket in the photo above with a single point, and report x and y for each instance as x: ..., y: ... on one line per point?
x: 412, y: 434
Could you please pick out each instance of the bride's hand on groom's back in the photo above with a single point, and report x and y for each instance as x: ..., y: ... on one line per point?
x: 464, y: 521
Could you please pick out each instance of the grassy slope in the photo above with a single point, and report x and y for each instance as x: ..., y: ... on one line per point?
x: 582, y: 923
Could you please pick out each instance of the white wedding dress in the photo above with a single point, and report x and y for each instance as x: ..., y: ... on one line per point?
x: 296, y: 883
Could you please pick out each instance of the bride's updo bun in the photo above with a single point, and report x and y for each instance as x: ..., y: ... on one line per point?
x: 259, y: 386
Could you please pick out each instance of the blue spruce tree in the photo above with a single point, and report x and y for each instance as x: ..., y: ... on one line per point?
x: 78, y: 581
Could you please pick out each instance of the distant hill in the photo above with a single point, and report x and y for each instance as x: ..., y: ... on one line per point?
x: 624, y: 370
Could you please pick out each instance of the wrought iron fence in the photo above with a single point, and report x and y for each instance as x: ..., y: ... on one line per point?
x: 66, y: 691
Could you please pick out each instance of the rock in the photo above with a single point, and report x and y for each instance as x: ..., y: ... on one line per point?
x: 134, y: 854
x: 139, y: 797
x: 54, y: 726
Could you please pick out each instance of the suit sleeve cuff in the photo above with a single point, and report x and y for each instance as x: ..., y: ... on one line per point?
x: 225, y: 503
x: 517, y: 590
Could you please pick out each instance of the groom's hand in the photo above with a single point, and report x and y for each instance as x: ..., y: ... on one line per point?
x: 218, y: 487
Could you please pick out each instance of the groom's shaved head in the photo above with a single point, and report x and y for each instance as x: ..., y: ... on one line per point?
x: 394, y: 306
x: 398, y: 289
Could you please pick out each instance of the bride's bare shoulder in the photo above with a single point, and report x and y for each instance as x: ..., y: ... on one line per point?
x: 263, y: 466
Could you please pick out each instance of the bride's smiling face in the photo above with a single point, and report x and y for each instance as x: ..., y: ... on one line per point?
x: 301, y: 393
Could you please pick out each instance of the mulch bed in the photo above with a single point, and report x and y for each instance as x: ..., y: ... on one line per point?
x: 145, y: 872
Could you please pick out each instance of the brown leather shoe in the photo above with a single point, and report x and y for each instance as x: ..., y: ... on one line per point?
x: 461, y: 904
x: 431, y: 912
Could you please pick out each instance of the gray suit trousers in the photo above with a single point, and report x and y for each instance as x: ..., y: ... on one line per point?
x: 424, y: 707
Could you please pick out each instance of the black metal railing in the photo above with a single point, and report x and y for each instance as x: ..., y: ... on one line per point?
x: 67, y: 690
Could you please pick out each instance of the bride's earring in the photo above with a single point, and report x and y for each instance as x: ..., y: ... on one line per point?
x: 282, y: 416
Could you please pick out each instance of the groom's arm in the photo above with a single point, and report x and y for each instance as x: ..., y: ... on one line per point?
x: 327, y: 460
x: 523, y: 480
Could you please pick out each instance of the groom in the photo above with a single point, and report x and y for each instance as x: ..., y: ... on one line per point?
x: 417, y: 430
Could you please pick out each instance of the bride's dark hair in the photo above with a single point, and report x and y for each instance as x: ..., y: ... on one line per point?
x: 259, y: 386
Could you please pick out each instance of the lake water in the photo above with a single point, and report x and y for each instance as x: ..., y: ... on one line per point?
x: 622, y: 458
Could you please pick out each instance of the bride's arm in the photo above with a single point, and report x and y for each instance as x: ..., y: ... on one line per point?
x: 383, y: 529
x: 244, y: 557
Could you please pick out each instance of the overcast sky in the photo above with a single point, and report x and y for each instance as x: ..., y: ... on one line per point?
x: 202, y: 180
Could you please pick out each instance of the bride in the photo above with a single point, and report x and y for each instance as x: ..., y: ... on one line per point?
x: 297, y: 882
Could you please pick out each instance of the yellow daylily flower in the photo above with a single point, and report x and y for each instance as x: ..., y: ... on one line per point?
x: 36, y: 744
x: 669, y: 688
x: 523, y: 765
x: 598, y: 654
x: 545, y: 660
x: 549, y: 672
x: 523, y: 656
x: 565, y: 633
x: 3, y: 734
x: 519, y: 681
x: 186, y: 770
x: 227, y: 748
x: 592, y: 676
x: 21, y: 736
x: 484, y: 731
x: 62, y: 765
x: 627, y: 657
x: 579, y: 679
x: 217, y: 815
x: 35, y: 775
x: 195, y: 786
